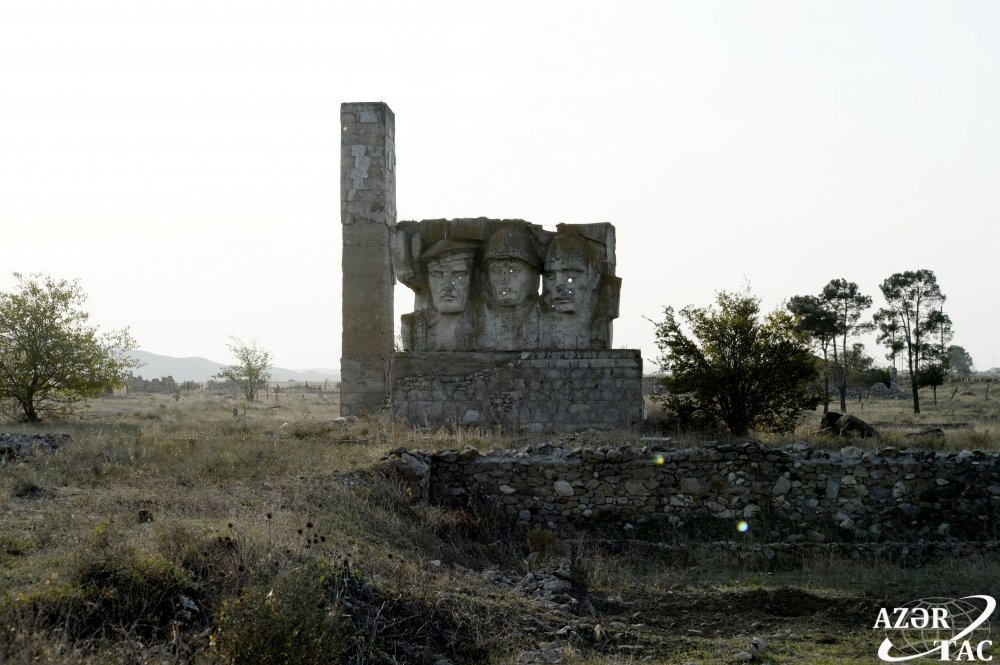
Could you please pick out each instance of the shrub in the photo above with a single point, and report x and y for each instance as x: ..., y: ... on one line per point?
x: 294, y: 620
x: 127, y: 590
x: 735, y: 367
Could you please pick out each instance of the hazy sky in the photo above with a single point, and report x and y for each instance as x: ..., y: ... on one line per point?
x: 181, y: 157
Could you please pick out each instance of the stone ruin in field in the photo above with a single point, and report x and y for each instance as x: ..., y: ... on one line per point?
x: 884, y: 502
x: 512, y: 323
x: 16, y: 446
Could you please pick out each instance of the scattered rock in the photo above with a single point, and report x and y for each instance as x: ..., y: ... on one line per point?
x: 22, y: 445
x: 550, y: 655
x: 840, y: 424
x: 852, y: 452
x: 413, y: 471
x: 562, y: 488
x: 547, y: 586
x: 566, y: 631
x: 781, y: 486
x: 188, y: 608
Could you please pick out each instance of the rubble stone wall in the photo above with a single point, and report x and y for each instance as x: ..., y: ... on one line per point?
x: 798, y: 492
x: 519, y: 390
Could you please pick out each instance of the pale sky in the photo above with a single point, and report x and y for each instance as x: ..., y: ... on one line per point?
x: 181, y: 157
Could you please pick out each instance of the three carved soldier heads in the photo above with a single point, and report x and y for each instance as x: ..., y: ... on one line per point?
x: 477, y: 282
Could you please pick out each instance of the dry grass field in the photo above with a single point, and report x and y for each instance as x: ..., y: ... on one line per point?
x: 173, y: 530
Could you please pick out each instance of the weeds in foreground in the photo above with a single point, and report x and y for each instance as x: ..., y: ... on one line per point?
x: 297, y: 617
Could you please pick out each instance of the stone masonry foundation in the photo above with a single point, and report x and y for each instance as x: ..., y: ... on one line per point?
x: 519, y: 390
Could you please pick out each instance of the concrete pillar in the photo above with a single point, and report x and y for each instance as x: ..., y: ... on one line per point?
x: 367, y: 212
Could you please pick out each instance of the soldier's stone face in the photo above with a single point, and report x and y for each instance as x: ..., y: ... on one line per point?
x: 448, y: 278
x: 511, y: 281
x: 569, y: 283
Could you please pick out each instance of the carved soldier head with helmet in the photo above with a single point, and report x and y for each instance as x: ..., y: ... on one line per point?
x: 449, y: 274
x: 512, y: 268
x: 572, y: 275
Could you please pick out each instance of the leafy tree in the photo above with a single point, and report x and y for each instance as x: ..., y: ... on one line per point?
x: 250, y: 371
x: 889, y: 333
x: 734, y: 367
x: 914, y: 307
x: 815, y: 319
x: 860, y: 367
x: 932, y: 375
x: 50, y: 358
x: 847, y: 302
x: 934, y: 358
x: 862, y: 373
x: 959, y: 361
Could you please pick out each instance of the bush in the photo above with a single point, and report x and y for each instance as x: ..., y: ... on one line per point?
x: 294, y: 620
x: 130, y: 591
x: 113, y: 591
x: 736, y: 368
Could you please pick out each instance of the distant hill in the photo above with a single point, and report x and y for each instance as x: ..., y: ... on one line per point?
x: 155, y: 366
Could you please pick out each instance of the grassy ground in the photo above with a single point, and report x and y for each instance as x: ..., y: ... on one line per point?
x: 175, y: 531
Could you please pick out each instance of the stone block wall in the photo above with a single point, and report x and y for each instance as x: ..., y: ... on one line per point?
x: 519, y: 390
x: 368, y: 212
x: 802, y: 494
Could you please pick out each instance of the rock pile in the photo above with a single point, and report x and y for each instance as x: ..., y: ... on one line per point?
x: 549, y: 587
x: 14, y: 446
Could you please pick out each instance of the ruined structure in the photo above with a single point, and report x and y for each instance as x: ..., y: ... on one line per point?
x: 367, y: 215
x: 789, y: 494
x: 512, y: 323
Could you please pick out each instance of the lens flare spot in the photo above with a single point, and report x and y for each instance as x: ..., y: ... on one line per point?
x: 742, y: 526
x: 658, y: 459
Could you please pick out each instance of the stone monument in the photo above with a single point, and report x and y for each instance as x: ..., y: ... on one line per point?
x: 477, y: 285
x: 511, y: 325
x: 367, y: 214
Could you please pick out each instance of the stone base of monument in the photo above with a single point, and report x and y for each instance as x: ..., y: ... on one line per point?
x: 518, y: 390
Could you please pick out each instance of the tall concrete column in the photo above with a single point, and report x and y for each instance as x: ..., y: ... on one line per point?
x: 367, y: 212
